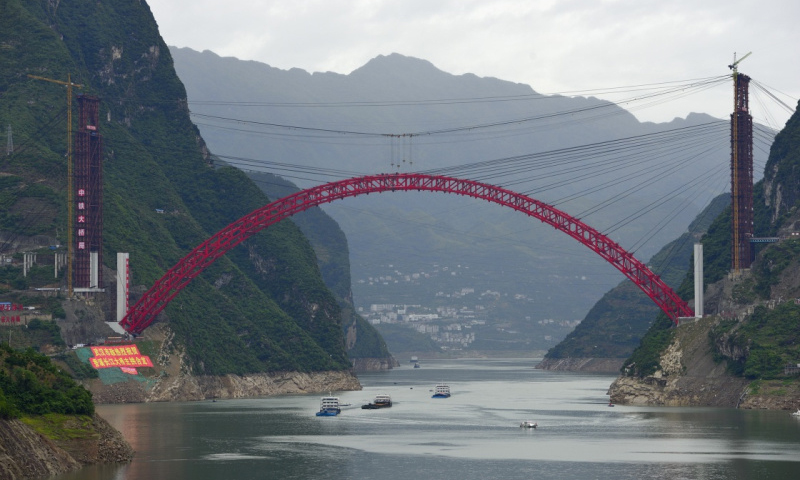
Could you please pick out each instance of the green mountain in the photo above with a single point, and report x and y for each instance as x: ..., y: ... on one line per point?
x: 615, y: 325
x: 262, y: 307
x: 756, y: 331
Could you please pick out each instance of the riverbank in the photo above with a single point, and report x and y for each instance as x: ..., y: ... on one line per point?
x: 689, y: 375
x: 171, y: 379
x: 41, y: 447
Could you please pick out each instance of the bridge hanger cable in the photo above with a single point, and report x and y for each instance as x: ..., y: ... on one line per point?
x: 661, y: 200
x: 652, y: 179
x: 614, y: 160
x: 676, y: 247
x: 677, y: 210
x: 579, y: 150
x: 768, y: 91
x: 663, y: 167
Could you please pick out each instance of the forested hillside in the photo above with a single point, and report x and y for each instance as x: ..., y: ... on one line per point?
x: 757, y: 332
x: 264, y: 306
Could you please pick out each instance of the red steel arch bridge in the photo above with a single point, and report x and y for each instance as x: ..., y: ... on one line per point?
x: 144, y: 312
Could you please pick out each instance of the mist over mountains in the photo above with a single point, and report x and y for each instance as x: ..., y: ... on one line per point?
x: 398, y: 113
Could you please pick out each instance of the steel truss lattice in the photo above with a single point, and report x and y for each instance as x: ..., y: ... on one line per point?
x: 144, y: 312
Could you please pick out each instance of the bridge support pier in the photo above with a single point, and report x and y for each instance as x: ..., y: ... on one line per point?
x: 698, y: 280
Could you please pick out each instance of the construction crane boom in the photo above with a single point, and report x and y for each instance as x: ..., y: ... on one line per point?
x: 69, y: 86
x: 734, y: 66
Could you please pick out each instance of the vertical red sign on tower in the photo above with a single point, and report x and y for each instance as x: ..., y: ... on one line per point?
x: 127, y: 282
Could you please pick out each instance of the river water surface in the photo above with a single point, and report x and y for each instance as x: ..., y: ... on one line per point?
x: 474, y: 434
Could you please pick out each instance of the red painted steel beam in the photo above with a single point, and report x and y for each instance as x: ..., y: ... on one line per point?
x: 144, y: 312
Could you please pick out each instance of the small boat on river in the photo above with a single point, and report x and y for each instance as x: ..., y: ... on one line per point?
x: 442, y: 391
x: 528, y: 424
x: 329, y: 407
x: 381, y: 401
x: 797, y: 413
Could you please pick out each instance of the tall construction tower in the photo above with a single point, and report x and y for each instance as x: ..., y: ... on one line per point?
x: 741, y: 172
x: 88, y: 195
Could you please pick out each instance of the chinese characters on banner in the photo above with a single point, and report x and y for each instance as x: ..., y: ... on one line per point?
x: 14, y: 320
x: 119, y: 351
x: 130, y: 361
x: 126, y: 357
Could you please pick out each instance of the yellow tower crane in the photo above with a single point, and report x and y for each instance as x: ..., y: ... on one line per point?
x: 69, y: 86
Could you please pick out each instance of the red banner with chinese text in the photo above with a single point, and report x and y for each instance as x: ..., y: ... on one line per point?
x: 128, y: 361
x: 126, y: 357
x: 117, y: 351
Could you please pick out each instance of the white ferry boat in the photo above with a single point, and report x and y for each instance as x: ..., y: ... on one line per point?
x: 442, y: 391
x: 329, y: 407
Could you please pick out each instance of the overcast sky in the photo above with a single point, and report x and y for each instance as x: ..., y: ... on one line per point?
x: 552, y: 45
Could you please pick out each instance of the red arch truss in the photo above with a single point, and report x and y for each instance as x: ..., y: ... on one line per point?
x: 165, y: 289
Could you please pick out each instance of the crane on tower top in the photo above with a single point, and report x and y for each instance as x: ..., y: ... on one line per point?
x: 734, y: 66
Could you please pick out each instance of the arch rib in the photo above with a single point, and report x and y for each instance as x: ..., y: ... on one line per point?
x: 144, y: 312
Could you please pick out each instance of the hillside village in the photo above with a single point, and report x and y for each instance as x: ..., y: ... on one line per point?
x: 457, y: 318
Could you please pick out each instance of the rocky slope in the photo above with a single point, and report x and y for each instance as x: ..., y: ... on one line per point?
x: 173, y: 380
x: 688, y: 375
x: 24, y: 453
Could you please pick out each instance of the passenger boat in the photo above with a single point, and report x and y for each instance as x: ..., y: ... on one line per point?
x: 381, y: 401
x: 442, y: 391
x: 329, y: 407
x: 528, y: 424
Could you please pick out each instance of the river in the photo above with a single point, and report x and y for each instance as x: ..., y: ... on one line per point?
x: 474, y: 434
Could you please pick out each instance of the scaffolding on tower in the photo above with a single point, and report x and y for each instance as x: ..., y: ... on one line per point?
x: 741, y: 172
x: 88, y: 196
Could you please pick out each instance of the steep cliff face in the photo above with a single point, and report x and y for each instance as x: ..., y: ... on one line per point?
x: 688, y: 375
x: 782, y: 172
x: 26, y: 454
